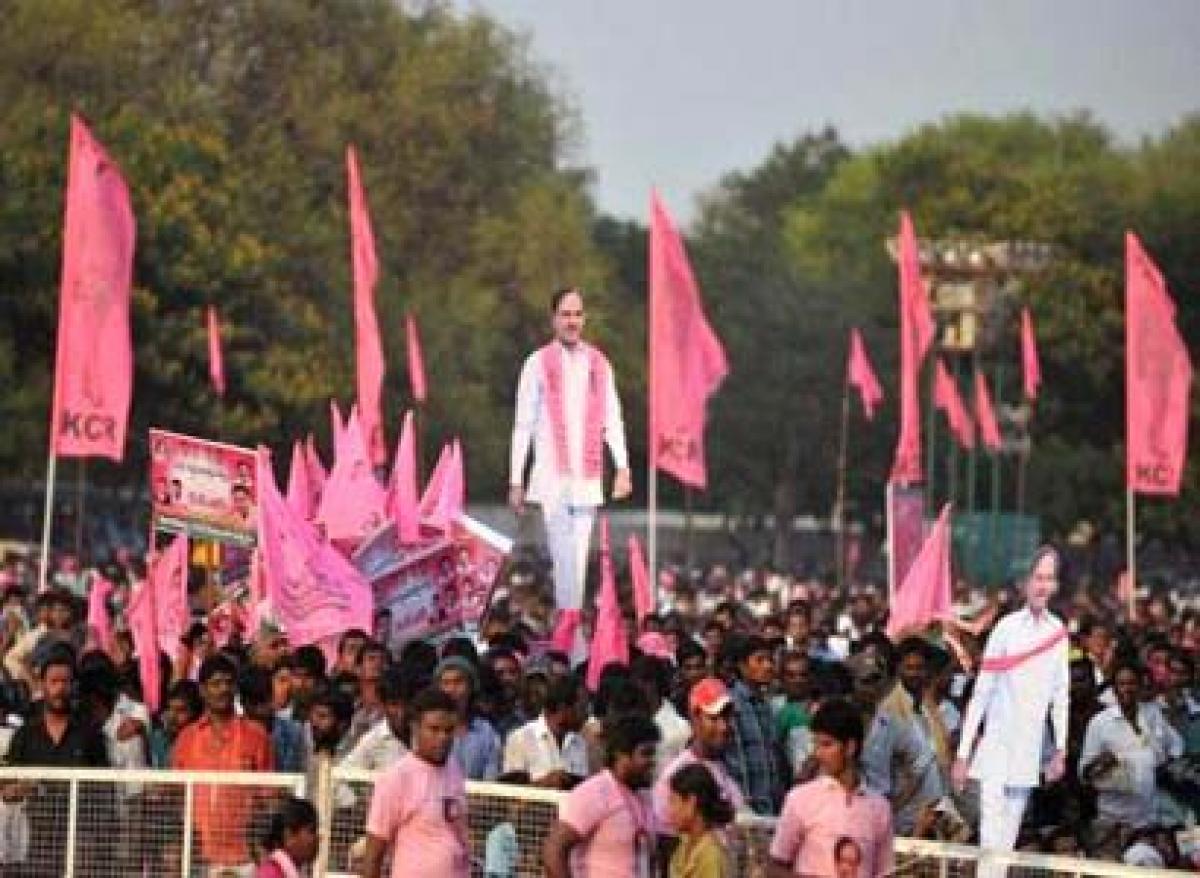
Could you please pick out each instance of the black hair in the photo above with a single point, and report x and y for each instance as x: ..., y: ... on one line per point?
x: 351, y: 633
x: 216, y: 664
x: 99, y: 683
x: 654, y: 671
x: 195, y: 631
x: 58, y: 654
x: 255, y: 686
x: 187, y: 691
x: 512, y: 641
x: 462, y: 647
x: 689, y: 649
x: 429, y: 700
x: 420, y: 655
x: 292, y: 815
x: 560, y: 294
x: 338, y: 702
x: 912, y: 646
x: 499, y: 652
x: 626, y: 733
x: 557, y: 655
x: 398, y: 684
x: 1134, y: 667
x: 696, y: 781
x: 311, y: 660
x: 841, y: 720
x: 562, y: 692
x: 613, y: 678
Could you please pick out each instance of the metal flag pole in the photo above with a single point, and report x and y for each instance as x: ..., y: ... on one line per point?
x: 1131, y: 549
x: 47, y: 518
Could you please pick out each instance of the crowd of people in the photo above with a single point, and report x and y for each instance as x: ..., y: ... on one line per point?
x: 755, y: 693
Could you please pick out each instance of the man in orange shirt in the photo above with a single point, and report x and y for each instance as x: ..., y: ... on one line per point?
x: 222, y: 741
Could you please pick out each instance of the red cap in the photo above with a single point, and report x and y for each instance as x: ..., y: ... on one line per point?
x: 710, y: 695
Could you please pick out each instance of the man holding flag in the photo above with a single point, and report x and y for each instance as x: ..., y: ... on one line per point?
x: 568, y: 408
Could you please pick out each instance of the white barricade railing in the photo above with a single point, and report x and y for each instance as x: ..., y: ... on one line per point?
x: 172, y: 823
x: 96, y: 822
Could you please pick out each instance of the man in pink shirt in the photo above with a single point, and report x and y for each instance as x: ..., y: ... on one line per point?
x: 711, y: 709
x: 832, y: 825
x: 419, y: 807
x: 606, y: 825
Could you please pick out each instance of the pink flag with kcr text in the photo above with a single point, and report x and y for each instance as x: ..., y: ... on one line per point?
x: 93, y: 371
x: 1158, y: 379
x: 687, y: 361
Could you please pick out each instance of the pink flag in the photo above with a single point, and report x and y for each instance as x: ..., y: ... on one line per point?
x: 93, y: 371
x: 216, y: 362
x: 337, y: 428
x: 403, y: 502
x: 687, y: 361
x: 985, y: 415
x: 369, y: 361
x: 317, y: 475
x: 143, y: 625
x: 450, y: 483
x: 353, y: 502
x: 916, y: 336
x: 609, y: 643
x: 434, y: 487
x: 946, y: 398
x: 314, y: 591
x: 643, y: 599
x: 862, y: 376
x: 99, y: 622
x: 416, y: 363
x: 924, y: 595
x: 1158, y: 379
x: 563, y: 637
x: 1031, y: 370
x: 168, y: 577
x: 299, y: 491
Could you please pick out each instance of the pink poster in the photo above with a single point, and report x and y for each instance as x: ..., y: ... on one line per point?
x: 204, y: 489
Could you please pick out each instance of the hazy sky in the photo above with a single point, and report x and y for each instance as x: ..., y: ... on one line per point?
x: 675, y: 93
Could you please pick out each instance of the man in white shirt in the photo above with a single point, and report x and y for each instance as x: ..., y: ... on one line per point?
x: 1023, y: 676
x: 568, y: 408
x: 549, y: 751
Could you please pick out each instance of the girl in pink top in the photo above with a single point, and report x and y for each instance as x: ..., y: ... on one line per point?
x: 291, y: 842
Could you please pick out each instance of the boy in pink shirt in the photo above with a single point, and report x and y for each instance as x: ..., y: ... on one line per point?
x: 832, y: 825
x: 419, y: 807
x: 606, y: 825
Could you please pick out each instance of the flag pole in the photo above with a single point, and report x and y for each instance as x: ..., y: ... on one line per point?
x: 839, y: 502
x: 80, y: 507
x: 1130, y: 549
x: 47, y: 518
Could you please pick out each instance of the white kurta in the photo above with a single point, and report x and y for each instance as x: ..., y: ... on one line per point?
x: 1128, y: 793
x: 532, y: 424
x: 1013, y: 705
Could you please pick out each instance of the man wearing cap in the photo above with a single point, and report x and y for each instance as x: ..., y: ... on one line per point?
x: 476, y: 745
x: 568, y: 409
x: 54, y: 611
x: 754, y: 757
x: 710, y: 707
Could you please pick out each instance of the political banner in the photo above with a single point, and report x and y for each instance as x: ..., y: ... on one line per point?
x: 204, y: 489
x: 444, y: 583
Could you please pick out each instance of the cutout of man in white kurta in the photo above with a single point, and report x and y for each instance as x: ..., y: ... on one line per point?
x: 1024, y: 675
x: 568, y: 494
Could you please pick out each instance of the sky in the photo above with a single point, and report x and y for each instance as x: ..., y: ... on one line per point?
x: 676, y: 93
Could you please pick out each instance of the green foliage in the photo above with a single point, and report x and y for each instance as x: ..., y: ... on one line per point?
x: 230, y: 121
